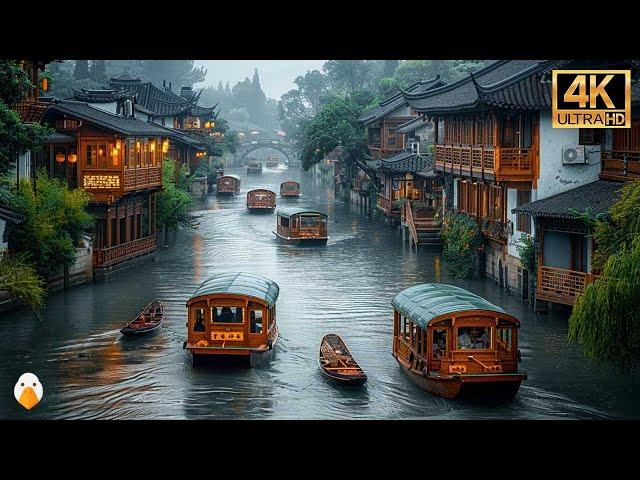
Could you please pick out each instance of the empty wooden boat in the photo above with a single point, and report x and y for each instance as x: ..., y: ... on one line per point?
x: 290, y: 189
x: 254, y: 168
x: 261, y: 200
x: 337, y: 363
x: 147, y: 321
x: 233, y: 315
x: 297, y: 226
x: 228, y: 185
x: 451, y: 342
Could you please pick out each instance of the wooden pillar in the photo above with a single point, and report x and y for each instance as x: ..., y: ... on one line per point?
x: 128, y: 234
x: 117, y: 225
x: 134, y: 235
x: 150, y: 214
x: 435, y: 130
x: 108, y: 227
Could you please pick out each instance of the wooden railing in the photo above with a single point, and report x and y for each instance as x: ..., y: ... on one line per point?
x: 384, y: 203
x: 620, y: 165
x: 561, y: 285
x: 480, y: 161
x: 142, y: 177
x: 407, y: 215
x: 111, y: 256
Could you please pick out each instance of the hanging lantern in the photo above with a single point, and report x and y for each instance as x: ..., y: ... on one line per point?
x: 165, y: 146
x: 118, y: 144
x: 73, y: 158
x: 152, y: 146
x: 60, y: 157
x: 213, y: 124
x: 45, y: 84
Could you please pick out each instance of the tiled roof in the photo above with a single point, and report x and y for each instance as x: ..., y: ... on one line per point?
x: 463, y: 93
x: 110, y: 121
x: 10, y: 214
x: 406, y: 162
x: 57, y: 137
x: 411, y: 125
x: 596, y: 197
x: 396, y: 101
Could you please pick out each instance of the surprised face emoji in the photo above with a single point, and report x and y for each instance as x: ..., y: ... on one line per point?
x: 28, y: 390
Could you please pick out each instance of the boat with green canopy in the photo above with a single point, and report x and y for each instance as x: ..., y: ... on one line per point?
x: 298, y: 226
x: 233, y: 314
x: 452, y: 342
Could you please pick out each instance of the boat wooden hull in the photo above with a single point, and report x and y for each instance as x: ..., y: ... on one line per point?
x: 130, y: 330
x: 252, y: 357
x: 261, y: 209
x: 351, y: 374
x: 225, y: 194
x: 302, y: 241
x: 503, y: 385
x: 139, y: 332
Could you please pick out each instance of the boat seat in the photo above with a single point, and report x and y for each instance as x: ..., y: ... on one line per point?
x: 328, y: 352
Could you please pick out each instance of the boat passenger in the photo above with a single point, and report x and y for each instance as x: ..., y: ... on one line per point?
x: 199, y: 325
x: 464, y: 341
x: 484, y: 338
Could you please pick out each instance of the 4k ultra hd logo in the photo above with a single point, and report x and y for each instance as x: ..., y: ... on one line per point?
x: 591, y: 98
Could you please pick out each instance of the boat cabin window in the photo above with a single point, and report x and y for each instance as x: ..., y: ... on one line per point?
x: 255, y: 319
x: 474, y: 338
x: 284, y: 221
x: 198, y: 320
x: 404, y: 327
x: 439, y: 343
x: 504, y: 338
x: 226, y: 314
x: 309, y: 221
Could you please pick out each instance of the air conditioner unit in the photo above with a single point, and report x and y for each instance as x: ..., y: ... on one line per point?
x: 415, y: 147
x: 573, y: 154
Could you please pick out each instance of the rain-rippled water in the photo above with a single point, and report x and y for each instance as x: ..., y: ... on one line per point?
x: 90, y: 371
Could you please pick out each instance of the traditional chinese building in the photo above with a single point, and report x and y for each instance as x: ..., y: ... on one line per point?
x: 145, y: 101
x: 117, y: 159
x: 495, y: 141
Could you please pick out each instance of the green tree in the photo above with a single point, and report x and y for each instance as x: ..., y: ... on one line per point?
x: 174, y: 201
x: 55, y: 219
x: 181, y: 73
x: 462, y: 241
x: 98, y: 71
x: 20, y: 280
x: 337, y: 124
x: 81, y: 70
x: 349, y: 75
x: 606, y: 318
x: 62, y: 81
x: 16, y: 137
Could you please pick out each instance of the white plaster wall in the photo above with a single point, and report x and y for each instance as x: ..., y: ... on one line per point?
x: 24, y: 163
x: 3, y: 244
x: 514, y: 240
x: 455, y: 193
x: 108, y: 107
x: 400, y: 112
x: 554, y: 176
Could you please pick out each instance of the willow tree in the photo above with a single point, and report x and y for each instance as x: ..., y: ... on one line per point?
x: 606, y: 317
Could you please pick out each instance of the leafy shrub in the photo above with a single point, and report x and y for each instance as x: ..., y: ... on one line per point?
x: 462, y: 241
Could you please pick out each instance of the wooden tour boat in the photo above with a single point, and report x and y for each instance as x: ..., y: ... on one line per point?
x: 254, y: 168
x: 233, y: 315
x: 261, y: 200
x: 297, y: 226
x: 452, y: 342
x: 273, y: 162
x: 147, y: 321
x: 337, y: 363
x: 228, y: 185
x: 290, y: 189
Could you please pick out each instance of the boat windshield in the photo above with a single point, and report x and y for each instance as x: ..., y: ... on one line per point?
x: 310, y: 221
x: 227, y: 314
x: 470, y: 338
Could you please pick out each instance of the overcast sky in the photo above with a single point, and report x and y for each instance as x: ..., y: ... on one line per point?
x: 276, y: 76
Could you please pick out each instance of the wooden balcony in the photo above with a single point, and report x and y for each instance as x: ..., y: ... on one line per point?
x: 387, y: 206
x: 105, y: 184
x: 494, y: 163
x: 111, y: 256
x: 620, y: 165
x: 559, y: 285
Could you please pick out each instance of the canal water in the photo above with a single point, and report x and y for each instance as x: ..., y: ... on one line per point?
x: 90, y: 371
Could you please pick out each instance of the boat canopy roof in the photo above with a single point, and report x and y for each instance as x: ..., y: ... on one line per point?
x: 260, y: 190
x: 289, y: 212
x: 427, y: 301
x: 237, y: 177
x: 240, y: 283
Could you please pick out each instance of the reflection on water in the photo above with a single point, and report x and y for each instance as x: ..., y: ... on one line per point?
x: 90, y: 371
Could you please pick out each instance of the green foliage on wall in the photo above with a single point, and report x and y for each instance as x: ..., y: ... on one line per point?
x: 20, y: 280
x: 462, y: 239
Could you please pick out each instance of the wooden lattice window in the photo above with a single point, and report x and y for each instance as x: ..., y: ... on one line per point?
x: 591, y: 136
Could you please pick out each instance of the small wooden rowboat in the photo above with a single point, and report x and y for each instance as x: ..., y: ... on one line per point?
x: 148, y: 321
x: 337, y: 363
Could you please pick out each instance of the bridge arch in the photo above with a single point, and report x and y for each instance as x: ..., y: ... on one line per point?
x: 245, y: 149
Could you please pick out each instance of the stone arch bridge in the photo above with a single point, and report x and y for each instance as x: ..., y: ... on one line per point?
x: 288, y: 149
